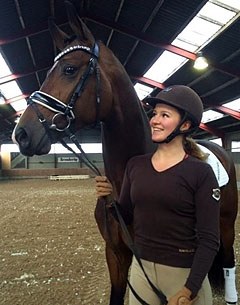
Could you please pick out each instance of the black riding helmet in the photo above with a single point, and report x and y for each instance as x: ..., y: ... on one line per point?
x: 186, y: 100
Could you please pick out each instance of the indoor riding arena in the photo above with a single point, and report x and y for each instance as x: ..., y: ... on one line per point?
x: 51, y: 250
x: 77, y: 79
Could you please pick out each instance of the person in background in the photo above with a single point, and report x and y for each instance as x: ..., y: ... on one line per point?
x: 171, y: 197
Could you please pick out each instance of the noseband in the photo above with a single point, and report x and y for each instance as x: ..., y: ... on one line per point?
x: 66, y: 109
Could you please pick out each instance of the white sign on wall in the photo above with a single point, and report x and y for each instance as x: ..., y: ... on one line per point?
x: 68, y: 159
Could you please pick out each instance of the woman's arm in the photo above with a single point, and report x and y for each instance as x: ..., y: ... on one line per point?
x: 207, y: 201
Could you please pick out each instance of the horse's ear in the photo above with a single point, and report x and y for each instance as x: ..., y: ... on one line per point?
x: 58, y: 36
x: 77, y: 25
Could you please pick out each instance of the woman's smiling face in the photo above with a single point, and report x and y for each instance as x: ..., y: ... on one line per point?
x: 165, y: 119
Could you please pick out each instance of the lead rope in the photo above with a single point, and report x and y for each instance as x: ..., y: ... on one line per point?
x: 82, y: 156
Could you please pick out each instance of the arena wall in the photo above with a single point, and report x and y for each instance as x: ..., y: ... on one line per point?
x: 44, y: 173
x: 15, y: 165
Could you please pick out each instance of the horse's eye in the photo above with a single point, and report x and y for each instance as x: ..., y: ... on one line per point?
x: 69, y: 70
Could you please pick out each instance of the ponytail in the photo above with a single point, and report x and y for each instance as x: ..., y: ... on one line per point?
x: 191, y: 148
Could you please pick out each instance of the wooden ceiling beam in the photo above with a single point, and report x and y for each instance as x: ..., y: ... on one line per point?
x: 15, y: 76
x: 16, y: 98
x: 148, y: 81
x: 233, y: 113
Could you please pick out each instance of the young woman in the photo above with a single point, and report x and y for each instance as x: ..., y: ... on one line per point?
x: 172, y: 199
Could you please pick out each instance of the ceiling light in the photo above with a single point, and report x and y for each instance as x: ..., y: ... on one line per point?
x: 200, y: 62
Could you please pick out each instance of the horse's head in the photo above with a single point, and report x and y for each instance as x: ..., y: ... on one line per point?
x: 75, y: 93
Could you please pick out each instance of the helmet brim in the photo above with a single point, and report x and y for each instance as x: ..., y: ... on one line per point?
x: 153, y: 101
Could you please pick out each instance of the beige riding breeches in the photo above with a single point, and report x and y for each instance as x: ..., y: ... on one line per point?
x: 169, y: 279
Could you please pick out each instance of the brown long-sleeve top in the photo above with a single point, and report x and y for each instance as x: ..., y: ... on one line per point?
x: 175, y: 214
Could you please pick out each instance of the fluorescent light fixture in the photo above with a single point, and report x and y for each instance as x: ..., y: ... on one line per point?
x: 142, y: 90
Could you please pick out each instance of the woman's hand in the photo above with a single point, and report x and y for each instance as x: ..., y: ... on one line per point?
x: 182, y: 297
x: 103, y: 186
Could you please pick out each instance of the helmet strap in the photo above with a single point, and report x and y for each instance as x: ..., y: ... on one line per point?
x: 176, y: 131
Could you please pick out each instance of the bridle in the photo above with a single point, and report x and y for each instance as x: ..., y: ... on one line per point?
x: 65, y: 110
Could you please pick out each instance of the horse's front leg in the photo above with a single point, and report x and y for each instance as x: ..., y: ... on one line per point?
x: 228, y: 214
x: 117, y: 254
x: 227, y: 237
x: 119, y: 261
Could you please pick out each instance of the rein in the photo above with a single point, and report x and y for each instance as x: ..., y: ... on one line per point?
x: 66, y: 110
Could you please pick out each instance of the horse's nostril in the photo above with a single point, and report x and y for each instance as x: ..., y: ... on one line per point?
x: 22, y: 137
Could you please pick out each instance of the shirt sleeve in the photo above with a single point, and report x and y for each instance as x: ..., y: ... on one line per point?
x: 125, y: 203
x: 207, y: 200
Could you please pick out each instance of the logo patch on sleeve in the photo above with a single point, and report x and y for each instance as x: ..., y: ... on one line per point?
x: 216, y: 194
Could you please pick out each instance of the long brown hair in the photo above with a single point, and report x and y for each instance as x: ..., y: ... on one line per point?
x: 191, y: 148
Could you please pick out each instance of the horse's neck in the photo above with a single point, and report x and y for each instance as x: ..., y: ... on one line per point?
x: 126, y: 133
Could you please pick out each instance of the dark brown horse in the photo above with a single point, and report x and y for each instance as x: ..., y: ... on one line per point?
x: 87, y: 84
